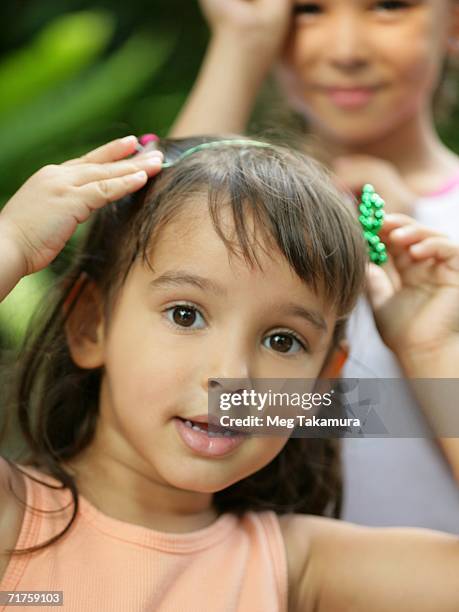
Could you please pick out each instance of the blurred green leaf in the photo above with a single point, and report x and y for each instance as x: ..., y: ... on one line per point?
x: 17, y: 308
x: 157, y: 111
x: 61, y: 50
x: 96, y: 96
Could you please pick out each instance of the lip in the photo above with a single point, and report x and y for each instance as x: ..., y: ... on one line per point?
x: 212, y: 419
x: 202, y: 418
x: 350, y: 97
x: 204, y: 445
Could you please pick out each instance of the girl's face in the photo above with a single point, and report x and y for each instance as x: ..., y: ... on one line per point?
x: 200, y: 315
x: 358, y: 69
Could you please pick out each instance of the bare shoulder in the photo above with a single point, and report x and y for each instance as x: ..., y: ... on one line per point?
x: 296, y: 531
x: 11, y: 511
x: 306, y: 539
x: 340, y: 566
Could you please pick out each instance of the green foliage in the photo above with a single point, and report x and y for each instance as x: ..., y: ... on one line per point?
x: 95, y: 96
x: 58, y: 52
x: 75, y: 81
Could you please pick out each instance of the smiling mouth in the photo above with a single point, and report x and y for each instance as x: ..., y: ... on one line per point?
x: 216, y: 430
x: 349, y: 97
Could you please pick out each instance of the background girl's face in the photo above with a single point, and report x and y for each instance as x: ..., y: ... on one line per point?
x: 200, y: 314
x: 359, y: 68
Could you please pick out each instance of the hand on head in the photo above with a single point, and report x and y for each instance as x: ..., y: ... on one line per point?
x: 42, y: 216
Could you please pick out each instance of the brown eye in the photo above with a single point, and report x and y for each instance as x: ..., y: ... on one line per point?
x: 281, y: 343
x: 183, y: 316
x: 284, y: 343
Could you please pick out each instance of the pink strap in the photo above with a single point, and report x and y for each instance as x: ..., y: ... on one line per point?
x: 450, y: 184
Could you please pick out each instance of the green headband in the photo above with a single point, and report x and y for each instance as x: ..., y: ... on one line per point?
x: 371, y: 205
x: 214, y: 145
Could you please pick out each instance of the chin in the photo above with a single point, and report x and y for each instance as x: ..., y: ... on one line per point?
x: 356, y: 133
x: 202, y: 481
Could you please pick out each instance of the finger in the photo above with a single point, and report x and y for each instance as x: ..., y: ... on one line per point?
x: 402, y: 261
x: 410, y: 234
x: 441, y: 248
x: 392, y: 272
x: 99, y: 193
x: 393, y: 221
x: 379, y: 286
x: 88, y: 173
x: 112, y: 151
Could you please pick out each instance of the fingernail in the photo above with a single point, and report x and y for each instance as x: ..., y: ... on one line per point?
x: 400, y: 232
x: 153, y: 162
x: 157, y: 154
x: 129, y: 139
x: 146, y: 138
x: 140, y: 176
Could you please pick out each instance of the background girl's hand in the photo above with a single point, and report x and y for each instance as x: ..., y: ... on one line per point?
x: 41, y: 217
x: 415, y: 296
x: 353, y: 171
x: 261, y: 23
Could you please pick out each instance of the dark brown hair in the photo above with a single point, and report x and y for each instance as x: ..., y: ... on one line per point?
x: 295, y: 208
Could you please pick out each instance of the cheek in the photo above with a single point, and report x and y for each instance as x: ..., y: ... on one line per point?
x: 301, y: 50
x: 144, y: 367
x: 415, y: 61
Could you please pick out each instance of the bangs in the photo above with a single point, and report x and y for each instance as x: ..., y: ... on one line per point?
x: 279, y: 201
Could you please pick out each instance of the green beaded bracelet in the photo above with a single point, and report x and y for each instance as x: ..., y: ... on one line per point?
x: 371, y: 219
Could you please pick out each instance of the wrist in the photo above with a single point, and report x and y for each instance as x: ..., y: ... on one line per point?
x: 12, y: 257
x: 434, y: 362
x: 252, y: 56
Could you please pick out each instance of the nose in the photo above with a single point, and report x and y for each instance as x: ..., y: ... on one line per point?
x: 348, y: 48
x: 229, y: 368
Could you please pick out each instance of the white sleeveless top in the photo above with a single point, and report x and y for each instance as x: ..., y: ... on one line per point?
x: 399, y: 481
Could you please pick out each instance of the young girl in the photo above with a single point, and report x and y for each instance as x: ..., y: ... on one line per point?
x: 238, y: 261
x: 364, y: 74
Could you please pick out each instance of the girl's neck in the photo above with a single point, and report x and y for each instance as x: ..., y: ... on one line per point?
x: 125, y: 493
x: 414, y: 148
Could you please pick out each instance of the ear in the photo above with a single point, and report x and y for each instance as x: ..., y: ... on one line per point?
x: 335, y: 361
x: 84, y: 327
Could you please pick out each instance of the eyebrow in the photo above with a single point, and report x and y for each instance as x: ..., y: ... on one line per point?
x: 312, y: 316
x: 179, y: 278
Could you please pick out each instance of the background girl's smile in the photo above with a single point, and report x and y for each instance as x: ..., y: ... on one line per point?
x: 351, y: 98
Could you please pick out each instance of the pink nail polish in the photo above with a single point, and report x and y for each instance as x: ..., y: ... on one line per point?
x: 146, y: 138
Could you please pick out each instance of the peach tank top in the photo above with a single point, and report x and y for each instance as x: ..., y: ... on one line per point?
x: 104, y: 564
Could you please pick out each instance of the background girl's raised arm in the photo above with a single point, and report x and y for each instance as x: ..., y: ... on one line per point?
x: 246, y: 38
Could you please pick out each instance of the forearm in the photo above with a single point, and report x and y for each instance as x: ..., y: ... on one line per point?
x: 432, y: 379
x: 225, y: 91
x: 12, y: 263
